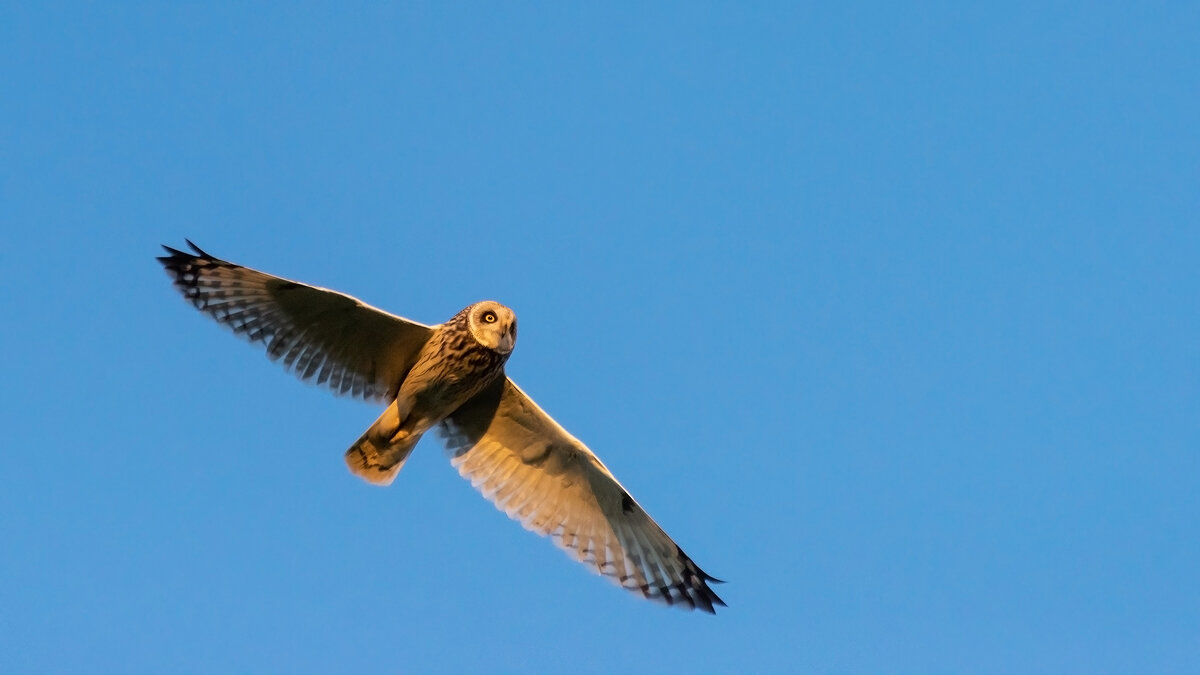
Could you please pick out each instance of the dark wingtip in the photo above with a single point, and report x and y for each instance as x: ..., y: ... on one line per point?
x: 199, y: 251
x: 176, y: 256
x: 713, y: 598
x: 172, y: 254
x: 708, y: 594
x: 706, y: 601
x: 693, y: 589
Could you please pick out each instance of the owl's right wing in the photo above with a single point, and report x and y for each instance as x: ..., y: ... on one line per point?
x: 319, y: 335
x: 543, y: 477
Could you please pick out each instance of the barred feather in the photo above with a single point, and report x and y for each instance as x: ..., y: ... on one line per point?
x: 542, y: 477
x: 319, y: 335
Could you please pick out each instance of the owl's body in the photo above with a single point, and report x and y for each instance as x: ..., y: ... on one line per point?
x: 450, y: 377
x: 453, y: 365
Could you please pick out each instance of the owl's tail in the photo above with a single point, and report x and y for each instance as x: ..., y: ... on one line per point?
x: 378, y: 454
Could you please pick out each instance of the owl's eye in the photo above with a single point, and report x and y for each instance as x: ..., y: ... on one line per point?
x: 489, y: 316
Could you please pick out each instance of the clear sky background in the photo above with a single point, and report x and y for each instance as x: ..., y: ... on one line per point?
x: 888, y: 314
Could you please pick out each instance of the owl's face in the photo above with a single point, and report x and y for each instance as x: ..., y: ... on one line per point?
x: 493, y: 325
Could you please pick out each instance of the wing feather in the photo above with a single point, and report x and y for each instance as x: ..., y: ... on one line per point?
x: 541, y: 476
x: 319, y: 335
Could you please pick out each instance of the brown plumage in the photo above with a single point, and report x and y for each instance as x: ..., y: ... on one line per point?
x: 451, y: 367
x: 450, y: 376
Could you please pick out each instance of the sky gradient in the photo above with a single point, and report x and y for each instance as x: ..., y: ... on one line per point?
x: 888, y: 315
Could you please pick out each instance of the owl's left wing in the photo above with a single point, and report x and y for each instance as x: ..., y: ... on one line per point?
x: 543, y: 477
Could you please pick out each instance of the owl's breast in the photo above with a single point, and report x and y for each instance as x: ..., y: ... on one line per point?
x: 449, y: 374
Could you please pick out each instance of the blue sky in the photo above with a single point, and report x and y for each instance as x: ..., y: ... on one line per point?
x: 888, y: 314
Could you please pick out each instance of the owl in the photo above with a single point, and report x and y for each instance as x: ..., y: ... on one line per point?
x: 450, y: 379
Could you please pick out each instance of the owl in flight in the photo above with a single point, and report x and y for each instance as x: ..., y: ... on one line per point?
x: 450, y: 378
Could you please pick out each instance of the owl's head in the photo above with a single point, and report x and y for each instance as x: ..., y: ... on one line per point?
x: 493, y: 325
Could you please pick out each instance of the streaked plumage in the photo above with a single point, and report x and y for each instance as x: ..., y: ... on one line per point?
x: 450, y: 376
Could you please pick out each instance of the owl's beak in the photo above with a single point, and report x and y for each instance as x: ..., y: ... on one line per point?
x: 508, y: 340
